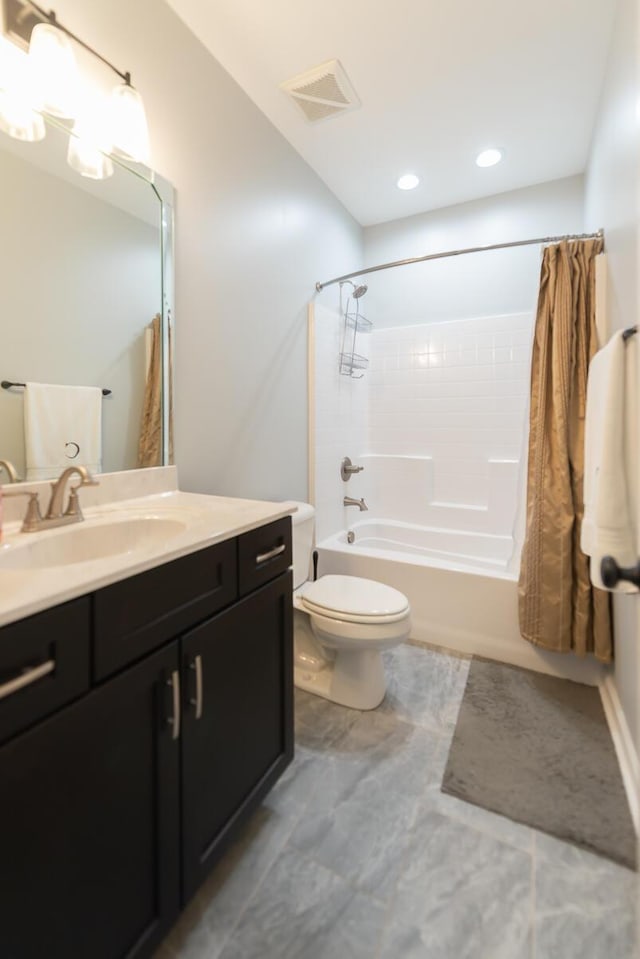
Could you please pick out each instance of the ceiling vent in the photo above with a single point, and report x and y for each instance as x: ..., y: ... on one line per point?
x: 322, y: 92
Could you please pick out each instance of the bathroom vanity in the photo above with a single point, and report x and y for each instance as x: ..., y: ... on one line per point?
x: 145, y: 719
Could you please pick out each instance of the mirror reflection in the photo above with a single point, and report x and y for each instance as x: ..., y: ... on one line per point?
x: 81, y: 286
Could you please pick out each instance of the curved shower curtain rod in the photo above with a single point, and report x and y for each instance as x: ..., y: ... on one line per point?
x: 471, y: 249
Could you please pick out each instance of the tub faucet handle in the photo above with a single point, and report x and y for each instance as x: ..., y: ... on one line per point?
x: 347, y: 469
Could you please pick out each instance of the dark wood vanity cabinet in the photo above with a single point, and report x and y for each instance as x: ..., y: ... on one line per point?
x: 114, y: 808
x: 237, y: 729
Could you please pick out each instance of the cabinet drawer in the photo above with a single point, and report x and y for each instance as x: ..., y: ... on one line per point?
x: 263, y: 554
x: 133, y: 617
x: 44, y: 663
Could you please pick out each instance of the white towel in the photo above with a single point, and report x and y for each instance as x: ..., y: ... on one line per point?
x: 62, y: 427
x: 607, y: 527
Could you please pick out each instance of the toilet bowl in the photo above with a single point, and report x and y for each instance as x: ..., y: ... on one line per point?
x: 341, y: 625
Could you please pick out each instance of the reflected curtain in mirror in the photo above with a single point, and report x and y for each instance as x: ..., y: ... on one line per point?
x: 559, y: 609
x: 150, y: 452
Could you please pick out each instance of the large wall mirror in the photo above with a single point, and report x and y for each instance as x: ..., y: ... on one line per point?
x: 86, y: 266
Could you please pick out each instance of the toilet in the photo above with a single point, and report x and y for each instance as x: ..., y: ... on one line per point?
x: 341, y: 625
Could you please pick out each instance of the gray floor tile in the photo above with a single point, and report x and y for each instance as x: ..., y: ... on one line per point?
x: 461, y: 894
x: 584, y: 904
x: 363, y: 838
x: 318, y: 722
x: 208, y: 921
x: 304, y: 911
x: 424, y: 687
x: 513, y: 833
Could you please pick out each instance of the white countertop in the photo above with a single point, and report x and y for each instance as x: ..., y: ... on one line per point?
x: 205, y: 520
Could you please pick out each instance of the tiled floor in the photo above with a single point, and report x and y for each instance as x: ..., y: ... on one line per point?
x: 356, y: 854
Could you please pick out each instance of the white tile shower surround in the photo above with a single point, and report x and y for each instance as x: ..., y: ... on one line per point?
x: 357, y: 854
x: 452, y: 395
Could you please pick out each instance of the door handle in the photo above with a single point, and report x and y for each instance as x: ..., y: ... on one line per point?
x: 197, y: 700
x: 26, y: 678
x: 174, y: 718
x: 276, y: 551
x: 612, y: 574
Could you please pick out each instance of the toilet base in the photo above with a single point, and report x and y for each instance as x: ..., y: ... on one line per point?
x: 350, y: 679
x: 352, y: 676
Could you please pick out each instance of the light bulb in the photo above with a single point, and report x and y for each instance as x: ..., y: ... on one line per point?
x: 129, y: 124
x: 18, y: 117
x: 53, y: 66
x: 408, y: 182
x: 489, y: 157
x: 90, y: 142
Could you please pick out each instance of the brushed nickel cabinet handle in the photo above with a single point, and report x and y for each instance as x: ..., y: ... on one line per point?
x: 174, y: 720
x: 196, y: 665
x: 26, y: 678
x: 276, y: 551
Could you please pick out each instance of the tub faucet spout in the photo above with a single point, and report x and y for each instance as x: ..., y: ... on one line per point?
x: 360, y: 503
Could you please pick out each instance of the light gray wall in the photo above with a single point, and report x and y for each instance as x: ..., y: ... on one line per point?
x: 255, y: 229
x: 612, y: 203
x: 480, y: 284
x: 80, y: 282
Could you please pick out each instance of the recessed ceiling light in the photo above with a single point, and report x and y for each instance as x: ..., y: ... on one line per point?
x: 408, y: 182
x: 489, y: 157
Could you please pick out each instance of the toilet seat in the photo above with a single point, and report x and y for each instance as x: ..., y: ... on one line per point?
x: 352, y: 599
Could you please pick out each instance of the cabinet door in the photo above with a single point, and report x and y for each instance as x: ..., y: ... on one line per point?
x: 89, y: 856
x: 237, y: 721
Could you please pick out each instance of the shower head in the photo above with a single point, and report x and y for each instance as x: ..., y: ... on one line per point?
x: 358, y: 291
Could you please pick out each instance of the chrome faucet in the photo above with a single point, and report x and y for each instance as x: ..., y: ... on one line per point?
x: 73, y: 514
x: 10, y: 470
x: 360, y: 503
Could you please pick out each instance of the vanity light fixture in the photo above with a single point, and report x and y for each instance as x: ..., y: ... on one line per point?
x: 489, y: 157
x: 52, y: 88
x: 54, y: 71
x: 408, y: 182
x: 88, y: 152
x: 17, y: 116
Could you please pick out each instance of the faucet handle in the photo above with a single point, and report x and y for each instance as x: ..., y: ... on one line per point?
x: 347, y: 469
x: 33, y: 516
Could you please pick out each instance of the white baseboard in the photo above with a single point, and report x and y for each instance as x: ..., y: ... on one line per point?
x: 624, y: 746
x: 512, y: 650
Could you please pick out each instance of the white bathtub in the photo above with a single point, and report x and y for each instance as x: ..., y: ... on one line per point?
x: 450, y: 549
x: 462, y: 587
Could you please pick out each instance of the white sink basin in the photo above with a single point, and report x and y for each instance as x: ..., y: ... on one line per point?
x: 84, y: 542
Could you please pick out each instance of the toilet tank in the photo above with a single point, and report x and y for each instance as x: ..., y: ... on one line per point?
x: 303, y: 530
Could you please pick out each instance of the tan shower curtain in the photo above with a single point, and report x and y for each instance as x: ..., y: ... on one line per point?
x: 150, y: 443
x: 559, y: 609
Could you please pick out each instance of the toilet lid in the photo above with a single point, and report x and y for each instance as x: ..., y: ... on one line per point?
x: 354, y: 598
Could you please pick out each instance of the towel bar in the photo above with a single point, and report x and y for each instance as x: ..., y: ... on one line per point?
x: 7, y: 385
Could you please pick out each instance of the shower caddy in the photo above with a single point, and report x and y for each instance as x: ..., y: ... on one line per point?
x: 352, y: 363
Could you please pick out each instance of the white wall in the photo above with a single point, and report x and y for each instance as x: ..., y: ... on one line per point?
x: 255, y: 229
x: 80, y: 282
x: 612, y: 202
x: 480, y: 284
